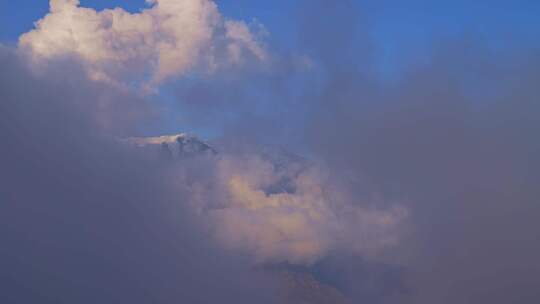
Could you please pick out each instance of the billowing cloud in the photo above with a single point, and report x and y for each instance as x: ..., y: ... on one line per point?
x: 289, y: 213
x: 168, y: 39
x: 87, y: 221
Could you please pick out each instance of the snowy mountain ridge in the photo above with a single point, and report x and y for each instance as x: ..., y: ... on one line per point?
x: 175, y: 145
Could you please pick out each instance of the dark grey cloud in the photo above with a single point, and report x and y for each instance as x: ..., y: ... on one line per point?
x: 453, y: 136
x: 456, y: 138
x: 86, y: 221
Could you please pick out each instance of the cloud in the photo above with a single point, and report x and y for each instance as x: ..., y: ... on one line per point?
x: 455, y: 135
x: 452, y: 138
x: 169, y: 39
x: 86, y: 220
x: 287, y: 212
x: 426, y: 184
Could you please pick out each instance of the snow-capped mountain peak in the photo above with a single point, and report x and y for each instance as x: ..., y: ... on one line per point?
x: 174, y: 145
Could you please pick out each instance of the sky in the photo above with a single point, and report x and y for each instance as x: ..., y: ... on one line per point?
x: 399, y: 29
x: 219, y: 151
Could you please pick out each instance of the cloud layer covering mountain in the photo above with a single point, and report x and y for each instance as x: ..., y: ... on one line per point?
x: 323, y: 181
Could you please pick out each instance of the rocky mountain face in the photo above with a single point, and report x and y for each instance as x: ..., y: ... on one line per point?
x: 304, y: 288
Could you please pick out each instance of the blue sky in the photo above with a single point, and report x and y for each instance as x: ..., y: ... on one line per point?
x: 398, y: 27
x: 402, y: 31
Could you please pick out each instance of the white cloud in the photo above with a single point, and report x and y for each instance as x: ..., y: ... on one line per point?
x: 299, y: 226
x: 168, y: 39
x: 240, y: 38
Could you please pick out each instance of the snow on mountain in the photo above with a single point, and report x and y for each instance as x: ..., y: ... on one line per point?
x: 173, y: 146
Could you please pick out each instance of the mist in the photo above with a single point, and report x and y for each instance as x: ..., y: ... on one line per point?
x: 324, y: 172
